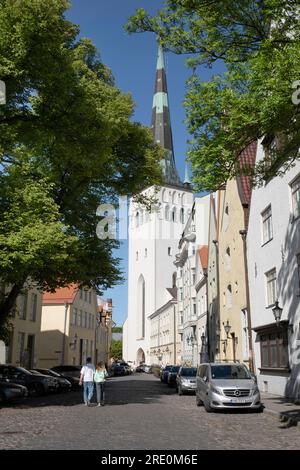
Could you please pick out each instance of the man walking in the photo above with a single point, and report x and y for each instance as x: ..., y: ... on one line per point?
x: 87, y: 378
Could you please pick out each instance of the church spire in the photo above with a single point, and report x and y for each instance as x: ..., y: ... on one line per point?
x: 161, y: 124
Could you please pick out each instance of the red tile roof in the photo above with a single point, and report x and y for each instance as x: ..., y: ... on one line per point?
x: 61, y: 296
x: 246, y: 160
x: 203, y: 255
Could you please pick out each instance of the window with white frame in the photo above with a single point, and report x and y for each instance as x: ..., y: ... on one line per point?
x: 271, y: 280
x: 295, y: 188
x: 267, y: 225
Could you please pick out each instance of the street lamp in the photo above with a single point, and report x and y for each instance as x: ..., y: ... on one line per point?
x: 227, y: 328
x: 277, y: 312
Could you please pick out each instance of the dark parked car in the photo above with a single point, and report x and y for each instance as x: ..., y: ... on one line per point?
x: 165, y: 373
x: 172, y: 376
x: 140, y: 369
x: 119, y: 370
x: 186, y: 380
x: 71, y: 373
x: 64, y: 385
x: 10, y: 391
x: 37, y: 384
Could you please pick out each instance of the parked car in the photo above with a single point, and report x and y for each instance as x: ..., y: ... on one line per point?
x: 172, y: 376
x: 186, y: 380
x: 147, y: 369
x: 10, y: 391
x: 221, y: 386
x: 165, y: 373
x: 64, y: 385
x: 37, y: 384
x: 140, y: 368
x: 71, y: 373
x: 127, y: 367
x: 119, y: 370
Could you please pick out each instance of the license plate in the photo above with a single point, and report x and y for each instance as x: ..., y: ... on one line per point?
x: 238, y: 400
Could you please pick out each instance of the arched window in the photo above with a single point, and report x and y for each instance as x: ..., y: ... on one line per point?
x: 229, y: 296
x: 165, y: 196
x: 174, y: 198
x: 174, y: 277
x: 141, y: 307
x: 228, y: 258
x: 169, y: 251
x: 167, y: 213
x: 182, y: 215
x: 174, y: 214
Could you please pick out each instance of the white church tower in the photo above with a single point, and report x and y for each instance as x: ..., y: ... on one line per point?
x: 154, y: 236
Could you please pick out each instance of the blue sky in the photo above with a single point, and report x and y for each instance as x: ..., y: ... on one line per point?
x: 132, y: 59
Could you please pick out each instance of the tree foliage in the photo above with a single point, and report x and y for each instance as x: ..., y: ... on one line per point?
x: 67, y: 144
x: 258, y: 43
x: 116, y: 349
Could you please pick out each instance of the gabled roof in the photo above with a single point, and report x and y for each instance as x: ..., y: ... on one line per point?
x: 246, y: 159
x: 61, y: 296
x: 203, y: 255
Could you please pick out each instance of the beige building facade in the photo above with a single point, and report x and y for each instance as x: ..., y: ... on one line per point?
x: 23, y: 346
x: 71, y: 328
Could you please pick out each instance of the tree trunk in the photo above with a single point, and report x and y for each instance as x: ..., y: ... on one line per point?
x: 9, y: 302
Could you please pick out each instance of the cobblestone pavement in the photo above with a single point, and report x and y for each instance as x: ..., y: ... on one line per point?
x: 140, y: 413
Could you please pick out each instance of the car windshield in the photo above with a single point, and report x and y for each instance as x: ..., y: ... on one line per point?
x: 23, y: 371
x: 167, y: 368
x: 175, y: 369
x: 189, y: 372
x: 229, y: 372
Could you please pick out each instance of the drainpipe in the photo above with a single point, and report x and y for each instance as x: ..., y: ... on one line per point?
x: 243, y: 233
x: 64, y: 335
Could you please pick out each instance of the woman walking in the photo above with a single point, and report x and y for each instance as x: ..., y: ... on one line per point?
x: 99, y: 379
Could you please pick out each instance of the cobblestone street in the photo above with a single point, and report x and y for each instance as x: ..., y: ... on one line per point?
x: 140, y: 413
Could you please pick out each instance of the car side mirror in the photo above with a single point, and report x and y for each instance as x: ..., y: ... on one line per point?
x: 205, y: 379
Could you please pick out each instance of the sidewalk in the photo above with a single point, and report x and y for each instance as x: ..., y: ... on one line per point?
x: 285, y: 409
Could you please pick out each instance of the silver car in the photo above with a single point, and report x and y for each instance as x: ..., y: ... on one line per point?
x: 186, y: 380
x: 226, y: 386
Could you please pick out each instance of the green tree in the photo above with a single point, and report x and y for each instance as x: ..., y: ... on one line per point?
x: 258, y: 43
x: 116, y: 349
x: 67, y: 144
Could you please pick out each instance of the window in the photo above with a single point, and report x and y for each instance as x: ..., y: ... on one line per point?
x: 75, y: 316
x: 90, y: 297
x: 267, y: 226
x: 194, y: 307
x: 226, y: 217
x: 193, y: 276
x: 295, y: 188
x: 182, y: 215
x: 80, y: 318
x: 146, y: 252
x: 137, y: 216
x: 271, y: 287
x: 136, y: 255
x: 33, y: 307
x: 228, y: 259
x: 85, y: 295
x: 274, y: 349
x: 167, y: 213
x: 90, y: 320
x: 85, y: 324
x: 174, y: 215
x: 21, y: 347
x: 81, y: 294
x: 169, y: 251
x: 23, y: 306
x: 229, y: 296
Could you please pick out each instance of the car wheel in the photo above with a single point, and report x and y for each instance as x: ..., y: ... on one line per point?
x: 179, y: 391
x: 36, y: 389
x: 198, y: 401
x: 207, y: 407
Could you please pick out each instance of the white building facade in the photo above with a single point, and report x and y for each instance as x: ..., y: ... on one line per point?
x: 195, y: 233
x: 273, y: 249
x: 153, y: 235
